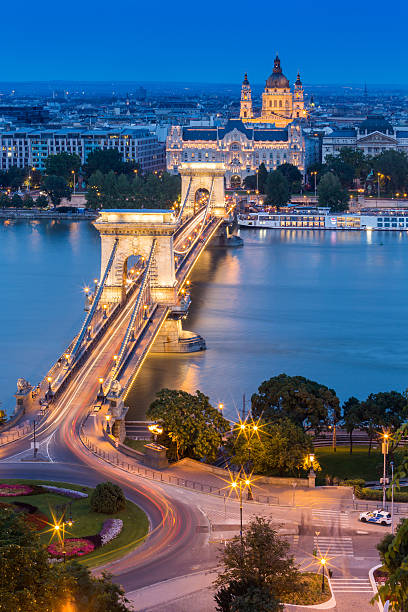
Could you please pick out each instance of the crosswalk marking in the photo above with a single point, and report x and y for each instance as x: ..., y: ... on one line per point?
x: 342, y: 547
x: 328, y: 517
x: 351, y: 585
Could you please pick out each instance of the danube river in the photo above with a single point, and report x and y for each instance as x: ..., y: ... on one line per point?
x: 326, y: 305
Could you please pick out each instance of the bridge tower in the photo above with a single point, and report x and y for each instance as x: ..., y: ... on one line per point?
x: 199, y: 178
x: 135, y: 231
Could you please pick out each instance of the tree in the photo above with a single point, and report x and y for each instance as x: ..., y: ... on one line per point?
x: 62, y: 164
x: 17, y: 201
x: 277, y: 189
x: 263, y: 556
x: 29, y: 582
x: 4, y: 201
x: 94, y: 594
x: 305, y: 402
x: 246, y: 596
x: 105, y: 161
x: 279, y: 448
x: 352, y: 417
x: 394, y: 556
x: 257, y: 182
x: 331, y: 193
x: 355, y: 158
x: 343, y: 170
x: 191, y: 426
x: 41, y: 201
x: 107, y: 498
x: 386, y: 410
x: 57, y: 188
x: 292, y: 175
x: 394, y: 166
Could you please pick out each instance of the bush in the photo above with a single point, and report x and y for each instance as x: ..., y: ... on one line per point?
x: 353, y: 482
x: 107, y: 498
x: 377, y: 494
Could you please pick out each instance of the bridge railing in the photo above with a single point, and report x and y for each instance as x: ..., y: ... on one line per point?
x: 166, y: 478
x: 199, y: 231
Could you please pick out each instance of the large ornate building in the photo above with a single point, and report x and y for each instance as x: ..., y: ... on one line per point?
x: 274, y: 138
x: 280, y: 105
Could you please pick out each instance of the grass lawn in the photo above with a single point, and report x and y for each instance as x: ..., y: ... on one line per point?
x: 343, y: 465
x: 311, y: 594
x: 86, y: 522
x: 136, y: 444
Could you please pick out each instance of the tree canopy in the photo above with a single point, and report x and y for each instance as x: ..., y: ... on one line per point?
x: 106, y: 160
x: 386, y: 410
x: 29, y: 582
x: 292, y: 175
x: 331, y: 193
x: 276, y: 449
x: 257, y: 182
x: 393, y: 166
x: 191, y: 426
x: 394, y: 556
x: 133, y: 191
x: 62, y: 164
x: 277, y: 189
x: 307, y: 403
x: 263, y: 558
x: 352, y: 417
x: 57, y: 188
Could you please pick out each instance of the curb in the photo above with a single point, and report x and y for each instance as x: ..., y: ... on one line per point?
x: 374, y: 585
x: 326, y: 605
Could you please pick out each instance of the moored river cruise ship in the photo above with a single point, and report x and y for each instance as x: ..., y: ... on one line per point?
x: 384, y: 220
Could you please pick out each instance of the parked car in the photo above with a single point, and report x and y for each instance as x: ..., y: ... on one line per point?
x: 380, y: 517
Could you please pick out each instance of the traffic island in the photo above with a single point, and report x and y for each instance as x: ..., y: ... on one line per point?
x: 95, y: 538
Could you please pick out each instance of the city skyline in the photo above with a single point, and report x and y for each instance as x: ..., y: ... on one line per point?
x: 188, y: 45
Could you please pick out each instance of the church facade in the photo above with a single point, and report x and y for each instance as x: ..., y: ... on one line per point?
x: 280, y: 105
x: 274, y: 138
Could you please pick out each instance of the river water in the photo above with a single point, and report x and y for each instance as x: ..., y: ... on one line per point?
x: 326, y: 305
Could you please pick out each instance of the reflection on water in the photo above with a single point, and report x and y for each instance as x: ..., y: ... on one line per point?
x: 327, y: 305
x: 44, y: 265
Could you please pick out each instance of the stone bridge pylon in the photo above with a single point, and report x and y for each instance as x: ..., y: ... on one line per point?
x: 201, y: 178
x: 135, y: 231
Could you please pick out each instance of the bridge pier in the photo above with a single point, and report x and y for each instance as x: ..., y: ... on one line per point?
x: 172, y: 338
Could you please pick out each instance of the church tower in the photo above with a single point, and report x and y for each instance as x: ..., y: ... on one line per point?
x: 246, y: 100
x: 298, y: 99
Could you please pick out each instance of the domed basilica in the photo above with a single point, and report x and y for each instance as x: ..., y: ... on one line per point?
x: 280, y: 105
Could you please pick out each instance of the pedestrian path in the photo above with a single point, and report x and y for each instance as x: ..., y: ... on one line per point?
x: 351, y: 585
x: 332, y: 546
x: 330, y: 517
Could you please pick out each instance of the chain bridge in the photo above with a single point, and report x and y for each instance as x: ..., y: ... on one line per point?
x: 138, y: 303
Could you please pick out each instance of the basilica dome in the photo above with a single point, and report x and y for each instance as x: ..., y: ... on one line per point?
x: 277, y: 80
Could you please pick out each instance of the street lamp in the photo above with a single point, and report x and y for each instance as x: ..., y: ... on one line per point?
x: 49, y: 392
x: 156, y: 430
x: 239, y: 485
x: 314, y: 173
x: 107, y: 417
x: 101, y: 396
x: 220, y: 407
x: 385, y: 453
x: 323, y: 564
x: 378, y: 184
x: 73, y: 172
x: 392, y: 497
x: 105, y: 316
x: 67, y: 356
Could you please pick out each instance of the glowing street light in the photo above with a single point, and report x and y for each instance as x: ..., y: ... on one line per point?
x: 107, y: 417
x: 384, y: 445
x: 239, y: 486
x: 104, y: 307
x: 101, y: 396
x: 156, y: 430
x: 49, y: 394
x: 221, y: 407
x: 323, y: 562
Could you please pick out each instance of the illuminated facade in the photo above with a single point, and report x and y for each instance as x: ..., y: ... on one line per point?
x: 241, y: 148
x: 280, y: 105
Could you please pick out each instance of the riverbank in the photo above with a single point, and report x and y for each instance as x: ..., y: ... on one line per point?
x: 36, y: 214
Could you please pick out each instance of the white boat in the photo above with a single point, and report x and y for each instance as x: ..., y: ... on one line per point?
x: 394, y: 221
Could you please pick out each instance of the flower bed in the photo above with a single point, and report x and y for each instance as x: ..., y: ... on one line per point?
x: 14, y: 490
x: 38, y: 521
x: 110, y: 530
x: 68, y: 492
x: 73, y: 547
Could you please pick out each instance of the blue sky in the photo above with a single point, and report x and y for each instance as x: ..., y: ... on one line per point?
x: 210, y: 41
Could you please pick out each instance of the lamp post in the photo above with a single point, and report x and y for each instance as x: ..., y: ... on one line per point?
x: 257, y: 182
x: 220, y: 407
x: 35, y: 446
x: 107, y: 417
x: 385, y: 453
x: 101, y: 396
x: 323, y: 564
x: 49, y: 392
x: 314, y: 173
x: 156, y: 430
x: 73, y: 172
x: 392, y: 497
x: 104, y: 307
x: 378, y: 184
